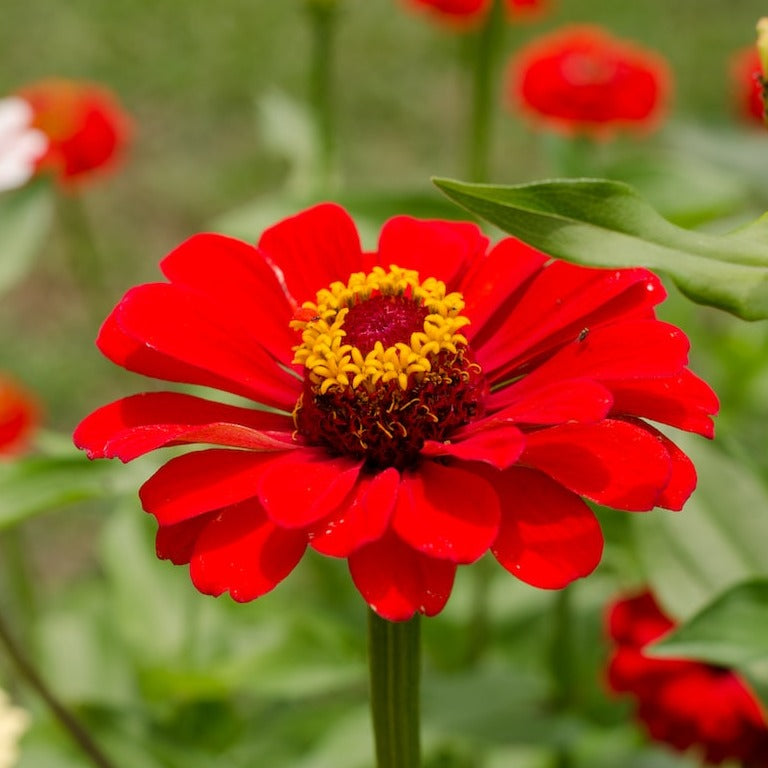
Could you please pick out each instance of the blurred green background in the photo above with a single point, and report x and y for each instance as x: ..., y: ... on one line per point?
x: 166, y: 677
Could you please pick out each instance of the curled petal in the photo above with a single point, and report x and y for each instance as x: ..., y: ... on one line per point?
x: 361, y: 517
x: 548, y: 536
x: 612, y: 462
x: 446, y: 512
x: 398, y: 582
x: 135, y: 425
x: 244, y: 553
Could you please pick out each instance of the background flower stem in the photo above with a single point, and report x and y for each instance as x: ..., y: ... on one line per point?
x: 28, y: 672
x: 563, y: 664
x: 83, y: 253
x: 486, y: 48
x: 323, y: 17
x: 394, y: 665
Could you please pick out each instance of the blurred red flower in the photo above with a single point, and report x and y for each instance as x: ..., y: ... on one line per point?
x: 686, y: 704
x: 580, y: 79
x: 468, y: 13
x: 427, y: 413
x: 745, y: 76
x: 19, y: 414
x: 86, y: 128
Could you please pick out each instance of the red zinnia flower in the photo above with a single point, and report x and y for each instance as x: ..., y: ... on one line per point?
x: 686, y: 704
x: 461, y: 401
x: 746, y: 71
x: 580, y: 79
x: 19, y: 415
x: 467, y: 13
x: 86, y: 127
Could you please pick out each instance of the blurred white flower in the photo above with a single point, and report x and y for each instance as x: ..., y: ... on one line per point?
x: 20, y: 144
x: 13, y: 722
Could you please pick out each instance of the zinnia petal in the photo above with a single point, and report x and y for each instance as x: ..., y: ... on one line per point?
x: 203, y: 481
x: 683, y: 401
x: 446, y: 512
x: 242, y: 552
x: 431, y: 247
x: 314, y: 248
x: 361, y: 517
x: 303, y: 487
x: 548, y: 536
x: 611, y: 462
x: 498, y: 445
x: 235, y: 276
x: 397, y: 582
x: 135, y: 425
x: 198, y: 345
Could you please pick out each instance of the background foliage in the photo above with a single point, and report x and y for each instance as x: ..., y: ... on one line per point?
x: 166, y: 677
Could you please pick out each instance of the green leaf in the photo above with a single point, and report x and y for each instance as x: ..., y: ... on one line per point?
x: 39, y: 484
x: 731, y: 631
x: 607, y: 224
x: 25, y: 219
x: 716, y: 541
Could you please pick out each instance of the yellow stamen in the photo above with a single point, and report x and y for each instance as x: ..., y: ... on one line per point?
x: 333, y: 363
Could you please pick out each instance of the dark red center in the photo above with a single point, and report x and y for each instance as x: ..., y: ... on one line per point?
x: 388, y: 319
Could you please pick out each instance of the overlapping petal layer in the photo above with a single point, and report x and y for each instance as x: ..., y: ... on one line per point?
x: 543, y: 405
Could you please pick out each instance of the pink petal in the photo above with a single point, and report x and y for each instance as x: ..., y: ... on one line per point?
x: 398, y: 582
x: 362, y: 517
x: 562, y: 301
x: 440, y: 249
x: 554, y: 402
x: 203, y: 481
x: 177, y: 542
x: 499, y: 445
x: 493, y: 283
x: 235, y: 276
x: 242, y: 552
x: 446, y: 512
x: 173, y: 334
x: 304, y: 486
x: 313, y: 249
x: 612, y: 462
x: 548, y: 536
x: 135, y: 425
x: 683, y: 401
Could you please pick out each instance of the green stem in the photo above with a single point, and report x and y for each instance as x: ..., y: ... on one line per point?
x: 82, y: 252
x: 323, y: 15
x: 563, y: 665
x: 562, y: 660
x: 394, y: 665
x: 28, y: 672
x: 487, y: 45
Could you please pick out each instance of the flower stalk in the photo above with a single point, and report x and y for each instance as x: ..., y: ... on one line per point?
x: 486, y: 47
x: 394, y: 666
x: 323, y: 17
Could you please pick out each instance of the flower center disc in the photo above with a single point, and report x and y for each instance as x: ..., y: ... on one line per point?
x: 386, y: 367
